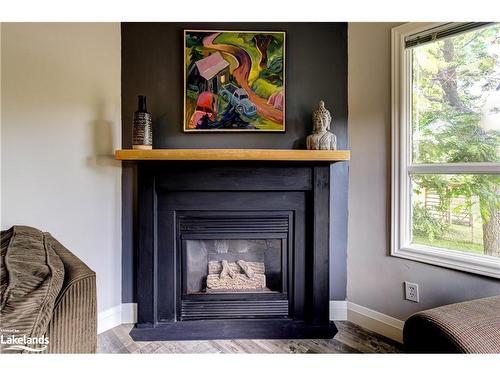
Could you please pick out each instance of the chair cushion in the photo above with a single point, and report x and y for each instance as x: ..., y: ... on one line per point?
x: 466, y: 327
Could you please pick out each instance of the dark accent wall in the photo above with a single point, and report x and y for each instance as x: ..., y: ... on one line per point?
x: 316, y: 69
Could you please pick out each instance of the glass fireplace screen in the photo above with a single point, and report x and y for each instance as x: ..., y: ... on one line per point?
x: 233, y: 266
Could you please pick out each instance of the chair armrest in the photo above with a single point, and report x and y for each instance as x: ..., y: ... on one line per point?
x: 73, y: 328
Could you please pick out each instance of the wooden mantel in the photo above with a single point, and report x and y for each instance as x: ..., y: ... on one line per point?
x: 234, y: 154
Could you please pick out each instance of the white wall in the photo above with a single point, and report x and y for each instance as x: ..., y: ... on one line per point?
x: 374, y: 278
x: 0, y: 123
x: 60, y: 124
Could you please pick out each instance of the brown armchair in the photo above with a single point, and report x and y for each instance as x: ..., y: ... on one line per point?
x: 466, y: 327
x: 73, y: 327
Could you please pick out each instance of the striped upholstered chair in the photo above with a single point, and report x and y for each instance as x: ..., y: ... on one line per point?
x: 73, y: 328
x: 46, y: 291
x: 467, y: 327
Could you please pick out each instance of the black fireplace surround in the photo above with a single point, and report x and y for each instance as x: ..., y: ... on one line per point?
x: 233, y: 250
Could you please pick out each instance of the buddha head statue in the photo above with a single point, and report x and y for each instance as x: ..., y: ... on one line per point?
x: 321, y: 118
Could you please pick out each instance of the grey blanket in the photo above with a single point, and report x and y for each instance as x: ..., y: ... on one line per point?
x: 31, y: 277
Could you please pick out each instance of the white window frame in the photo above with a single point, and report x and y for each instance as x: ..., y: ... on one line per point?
x: 401, y: 170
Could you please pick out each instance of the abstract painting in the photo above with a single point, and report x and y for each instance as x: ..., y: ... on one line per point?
x: 234, y: 81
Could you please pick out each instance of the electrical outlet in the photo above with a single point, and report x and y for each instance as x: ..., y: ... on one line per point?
x: 411, y: 292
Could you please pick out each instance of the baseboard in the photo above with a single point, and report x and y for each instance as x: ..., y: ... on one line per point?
x: 382, y: 324
x: 109, y: 318
x: 338, y: 310
x: 121, y: 314
x: 129, y: 313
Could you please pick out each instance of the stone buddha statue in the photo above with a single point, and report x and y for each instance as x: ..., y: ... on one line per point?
x: 321, y: 138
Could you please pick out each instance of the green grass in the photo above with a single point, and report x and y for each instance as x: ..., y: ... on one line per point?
x: 464, y: 233
x: 457, y: 237
x: 469, y: 247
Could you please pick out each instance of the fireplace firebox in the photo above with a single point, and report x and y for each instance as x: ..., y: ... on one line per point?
x: 234, y: 264
x: 232, y: 250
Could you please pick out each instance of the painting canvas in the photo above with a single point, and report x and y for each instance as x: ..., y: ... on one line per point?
x: 234, y: 81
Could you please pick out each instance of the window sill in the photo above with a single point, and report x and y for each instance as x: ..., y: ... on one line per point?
x: 481, y: 265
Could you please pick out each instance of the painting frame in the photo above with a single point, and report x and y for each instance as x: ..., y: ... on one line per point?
x: 282, y: 92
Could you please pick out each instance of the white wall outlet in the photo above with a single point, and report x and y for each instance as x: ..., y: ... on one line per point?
x: 411, y: 292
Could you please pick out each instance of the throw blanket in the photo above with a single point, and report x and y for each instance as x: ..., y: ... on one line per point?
x: 31, y: 277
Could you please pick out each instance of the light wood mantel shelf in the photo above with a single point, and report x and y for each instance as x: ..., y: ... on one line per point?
x: 234, y: 154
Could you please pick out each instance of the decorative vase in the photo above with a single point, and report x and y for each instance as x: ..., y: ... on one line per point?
x: 142, y: 138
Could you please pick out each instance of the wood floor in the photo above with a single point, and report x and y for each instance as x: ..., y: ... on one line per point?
x: 350, y: 339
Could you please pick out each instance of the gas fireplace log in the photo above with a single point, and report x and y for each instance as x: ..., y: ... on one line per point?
x: 226, y: 270
x: 215, y: 267
x: 246, y: 268
x: 240, y: 282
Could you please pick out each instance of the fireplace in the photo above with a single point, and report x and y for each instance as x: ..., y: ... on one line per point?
x: 233, y: 250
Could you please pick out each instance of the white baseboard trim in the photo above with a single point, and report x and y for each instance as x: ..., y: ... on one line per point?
x: 121, y: 314
x: 129, y: 313
x: 382, y: 324
x: 338, y: 310
x: 109, y: 318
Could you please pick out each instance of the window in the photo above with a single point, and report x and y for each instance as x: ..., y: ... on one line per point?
x: 446, y: 145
